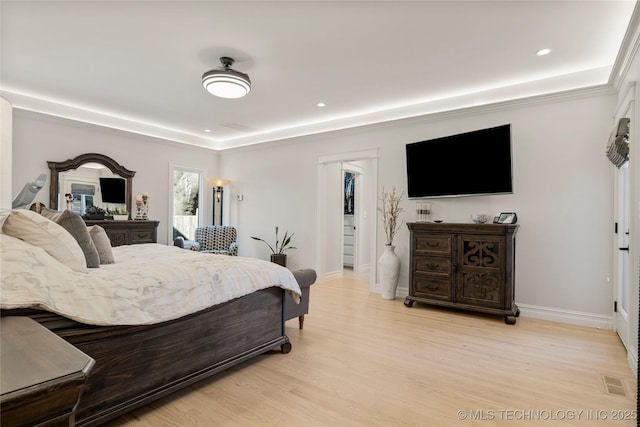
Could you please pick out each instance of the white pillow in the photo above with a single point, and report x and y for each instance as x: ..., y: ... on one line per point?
x: 4, y: 214
x: 39, y: 231
x: 74, y: 224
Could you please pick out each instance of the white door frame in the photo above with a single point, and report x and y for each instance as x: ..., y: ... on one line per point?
x: 321, y: 245
x: 622, y: 210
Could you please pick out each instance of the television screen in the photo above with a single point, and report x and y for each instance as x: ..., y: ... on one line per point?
x: 113, y: 190
x: 467, y: 164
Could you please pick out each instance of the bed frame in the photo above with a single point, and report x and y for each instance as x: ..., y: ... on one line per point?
x: 138, y: 364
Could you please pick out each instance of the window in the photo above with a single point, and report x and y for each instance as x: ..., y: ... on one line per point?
x: 186, y: 197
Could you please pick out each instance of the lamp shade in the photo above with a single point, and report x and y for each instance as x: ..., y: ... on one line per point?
x: 226, y: 82
x: 219, y: 182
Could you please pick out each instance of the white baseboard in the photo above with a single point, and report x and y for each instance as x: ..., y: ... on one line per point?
x: 633, y: 361
x: 365, y: 272
x: 548, y: 313
x: 330, y: 275
x: 566, y: 316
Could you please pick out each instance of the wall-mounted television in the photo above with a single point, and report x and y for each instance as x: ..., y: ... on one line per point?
x: 113, y: 190
x: 466, y: 164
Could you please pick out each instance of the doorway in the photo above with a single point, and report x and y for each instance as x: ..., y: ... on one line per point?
x: 331, y: 219
x: 351, y: 173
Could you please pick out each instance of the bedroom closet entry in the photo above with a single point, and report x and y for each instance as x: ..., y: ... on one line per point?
x: 347, y: 213
x: 350, y: 173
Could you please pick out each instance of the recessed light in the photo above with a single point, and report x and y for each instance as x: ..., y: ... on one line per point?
x: 321, y: 104
x: 543, y: 52
x: 207, y: 130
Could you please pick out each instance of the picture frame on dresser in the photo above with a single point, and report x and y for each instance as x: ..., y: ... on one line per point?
x: 507, y: 218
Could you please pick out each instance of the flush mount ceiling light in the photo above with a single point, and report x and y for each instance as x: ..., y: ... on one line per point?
x: 226, y: 82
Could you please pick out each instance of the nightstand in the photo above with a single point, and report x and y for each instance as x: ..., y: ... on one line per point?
x: 42, y: 375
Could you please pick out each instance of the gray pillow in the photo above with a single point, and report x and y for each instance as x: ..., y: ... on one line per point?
x: 74, y: 224
x: 102, y: 243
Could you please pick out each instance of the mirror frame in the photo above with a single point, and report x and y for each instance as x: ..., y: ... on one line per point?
x: 76, y: 162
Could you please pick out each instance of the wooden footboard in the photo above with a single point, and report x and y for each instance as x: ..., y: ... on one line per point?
x: 138, y: 364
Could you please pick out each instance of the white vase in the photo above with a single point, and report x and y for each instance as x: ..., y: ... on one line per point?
x: 389, y: 266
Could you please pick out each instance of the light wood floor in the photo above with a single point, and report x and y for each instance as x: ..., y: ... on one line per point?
x: 363, y: 361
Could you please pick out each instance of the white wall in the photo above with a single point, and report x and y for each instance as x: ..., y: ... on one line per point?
x: 279, y: 188
x: 39, y: 138
x: 562, y: 194
x: 332, y: 205
x: 6, y: 126
x: 561, y: 180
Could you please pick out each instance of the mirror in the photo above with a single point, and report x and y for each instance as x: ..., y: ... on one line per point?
x: 84, y: 174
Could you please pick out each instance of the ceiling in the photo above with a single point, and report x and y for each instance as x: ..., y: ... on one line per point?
x: 137, y: 66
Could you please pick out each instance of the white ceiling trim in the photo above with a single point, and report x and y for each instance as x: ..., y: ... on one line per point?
x: 629, y: 48
x: 82, y: 114
x: 490, y: 96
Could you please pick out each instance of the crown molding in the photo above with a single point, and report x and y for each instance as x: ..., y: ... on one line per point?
x: 494, y: 100
x: 628, y: 50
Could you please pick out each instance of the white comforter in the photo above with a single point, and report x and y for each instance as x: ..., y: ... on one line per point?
x: 148, y: 283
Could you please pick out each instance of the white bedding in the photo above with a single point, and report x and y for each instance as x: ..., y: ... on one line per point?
x: 148, y: 283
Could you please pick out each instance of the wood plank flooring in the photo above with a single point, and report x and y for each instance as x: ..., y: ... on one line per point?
x: 364, y: 361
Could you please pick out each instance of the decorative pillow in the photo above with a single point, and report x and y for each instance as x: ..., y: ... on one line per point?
x: 102, y: 244
x: 4, y: 214
x: 74, y: 224
x: 46, y: 234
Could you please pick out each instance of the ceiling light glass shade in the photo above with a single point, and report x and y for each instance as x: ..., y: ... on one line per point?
x: 226, y: 83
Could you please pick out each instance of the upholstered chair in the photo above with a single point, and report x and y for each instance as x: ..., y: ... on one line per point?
x: 213, y: 239
x: 305, y: 278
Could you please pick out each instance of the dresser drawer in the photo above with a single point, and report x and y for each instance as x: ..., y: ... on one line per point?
x: 118, y: 237
x: 432, y: 243
x: 433, y: 288
x: 141, y: 236
x: 438, y: 266
x: 129, y: 232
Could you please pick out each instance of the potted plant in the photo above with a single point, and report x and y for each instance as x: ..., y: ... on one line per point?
x: 119, y: 214
x: 389, y: 262
x: 277, y: 252
x: 94, y: 212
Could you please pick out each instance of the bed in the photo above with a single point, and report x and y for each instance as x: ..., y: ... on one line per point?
x: 148, y: 332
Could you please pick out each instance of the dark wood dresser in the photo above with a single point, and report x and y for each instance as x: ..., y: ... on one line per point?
x: 128, y: 232
x: 465, y: 266
x: 42, y: 375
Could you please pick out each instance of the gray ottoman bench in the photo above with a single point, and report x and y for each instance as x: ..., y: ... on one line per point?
x: 305, y: 278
